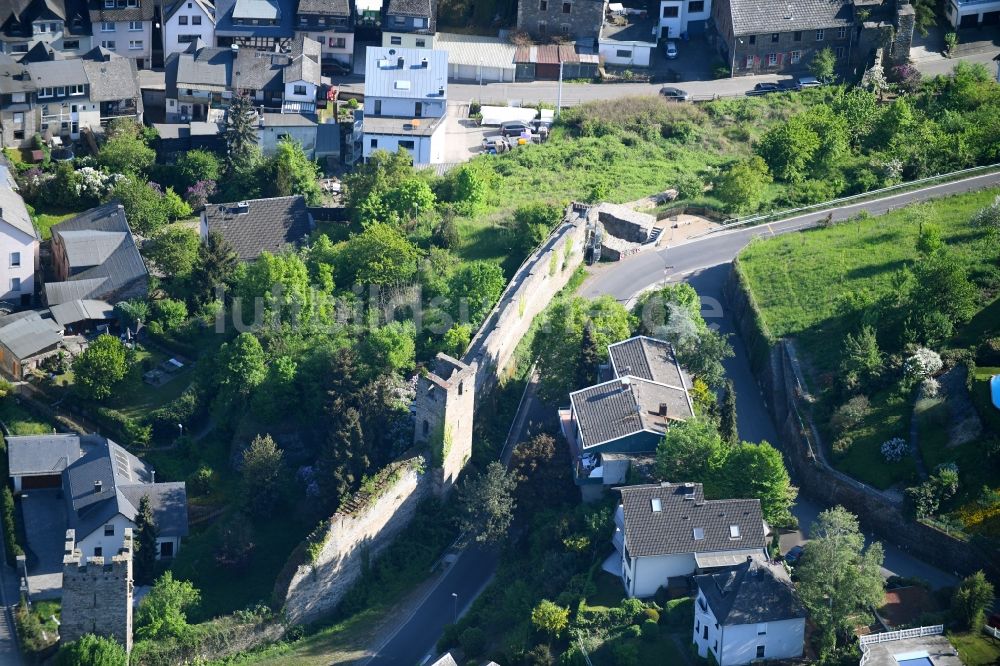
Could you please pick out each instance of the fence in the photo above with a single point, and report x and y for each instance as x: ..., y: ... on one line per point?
x: 889, y: 636
x: 991, y: 631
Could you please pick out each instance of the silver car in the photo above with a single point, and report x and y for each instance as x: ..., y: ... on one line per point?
x: 674, y: 94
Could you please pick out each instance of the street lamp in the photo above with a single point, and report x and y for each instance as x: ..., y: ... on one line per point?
x: 454, y: 597
x: 180, y: 427
x: 732, y: 68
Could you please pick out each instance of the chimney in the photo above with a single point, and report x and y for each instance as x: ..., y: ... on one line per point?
x: 241, y: 207
x: 97, y: 486
x: 400, y: 62
x: 152, y: 476
x: 441, y: 91
x: 663, y: 409
x: 423, y: 63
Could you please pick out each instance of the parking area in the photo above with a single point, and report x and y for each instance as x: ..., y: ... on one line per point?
x: 463, y: 136
x: 44, y: 517
x: 694, y: 62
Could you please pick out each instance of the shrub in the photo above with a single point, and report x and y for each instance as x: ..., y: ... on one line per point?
x: 123, y: 427
x: 626, y: 654
x: 633, y: 631
x: 923, y: 363
x: 201, y: 480
x: 473, y: 641
x: 842, y: 445
x: 894, y: 449
x: 652, y: 614
x: 850, y: 414
x: 988, y: 353
x: 650, y: 630
x: 930, y: 387
x: 9, y: 538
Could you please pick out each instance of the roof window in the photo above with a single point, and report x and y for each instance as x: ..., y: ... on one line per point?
x: 657, y: 504
x: 734, y: 531
x: 699, y: 533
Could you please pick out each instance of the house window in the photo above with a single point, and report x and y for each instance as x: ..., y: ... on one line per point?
x: 564, y: 29
x: 421, y: 43
x: 135, y: 44
x: 378, y: 107
x: 567, y: 7
x: 395, y: 41
x: 299, y: 90
x: 98, y: 551
x: 704, y: 635
x: 195, y: 20
x: 19, y: 48
x: 671, y: 11
x: 760, y: 651
x: 762, y: 629
x: 774, y: 37
x: 696, y: 6
x: 340, y: 42
x: 18, y: 118
x: 109, y: 530
x: 15, y: 259
x: 820, y: 34
x: 109, y: 4
x: 15, y: 284
x: 749, y: 63
x: 772, y: 59
x: 753, y: 39
x: 841, y: 33
x: 543, y: 5
x: 839, y: 51
x: 44, y: 92
x: 797, y: 36
x: 734, y: 531
x: 656, y: 504
x: 623, y: 53
x: 18, y: 98
x: 541, y: 27
x: 182, y: 20
x: 186, y: 39
x: 398, y: 20
x: 374, y: 143
x: 795, y: 57
x: 61, y: 91
x: 167, y: 549
x: 107, y: 26
x: 108, y: 44
x: 715, y: 648
x: 406, y: 144
x: 699, y: 533
x: 71, y: 44
x: 418, y: 109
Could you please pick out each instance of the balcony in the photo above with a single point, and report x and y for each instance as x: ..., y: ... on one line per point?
x: 298, y: 107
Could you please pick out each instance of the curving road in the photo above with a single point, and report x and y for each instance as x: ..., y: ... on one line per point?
x: 704, y: 263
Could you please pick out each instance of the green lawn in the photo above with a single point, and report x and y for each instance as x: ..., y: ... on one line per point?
x: 20, y: 421
x: 136, y: 398
x: 889, y: 417
x: 976, y: 649
x: 44, y: 221
x: 609, y: 592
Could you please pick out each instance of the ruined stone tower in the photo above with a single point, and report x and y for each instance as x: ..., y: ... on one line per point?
x: 97, y: 594
x: 444, y: 411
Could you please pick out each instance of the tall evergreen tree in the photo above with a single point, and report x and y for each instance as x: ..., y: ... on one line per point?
x: 144, y: 561
x: 727, y: 420
x: 343, y: 459
x: 240, y: 134
x: 590, y: 358
x: 216, y: 266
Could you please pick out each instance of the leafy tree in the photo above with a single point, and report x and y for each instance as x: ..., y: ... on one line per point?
x: 486, y: 504
x: 406, y: 201
x: 91, y: 650
x: 278, y: 396
x: 100, y: 367
x: 789, y: 148
x: 143, y: 205
x: 170, y: 313
x: 472, y: 185
x: 343, y: 459
x: 457, y: 339
x: 175, y: 207
x: 237, y: 543
x: 392, y: 347
x: 942, y: 285
x: 559, y: 339
x: 742, y: 187
x: 929, y: 240
x: 242, y: 367
x: 758, y: 471
x: 532, y: 224
x: 240, y: 135
x: 838, y: 576
x: 727, y: 419
x: 281, y: 282
x: 823, y: 64
x: 381, y: 256
x: 292, y: 172
x: 174, y: 250
x: 988, y: 219
x: 131, y: 312
x: 216, y: 267
x: 382, y: 171
x: 144, y: 561
x: 690, y: 451
x: 862, y: 359
x: 590, y: 357
x: 479, y: 285
x: 125, y: 152
x: 971, y: 599
x: 925, y: 15
x: 262, y: 472
x: 831, y: 129
x: 163, y: 612
x: 549, y: 618
x: 198, y: 165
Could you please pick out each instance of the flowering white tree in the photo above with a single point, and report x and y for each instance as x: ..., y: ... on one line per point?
x: 923, y: 363
x: 874, y: 79
x: 930, y: 387
x: 988, y: 219
x: 894, y: 449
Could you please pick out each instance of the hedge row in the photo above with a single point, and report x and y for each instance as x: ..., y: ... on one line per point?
x: 121, y: 427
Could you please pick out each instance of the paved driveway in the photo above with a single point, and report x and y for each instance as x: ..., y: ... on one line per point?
x: 463, y: 137
x: 44, y: 513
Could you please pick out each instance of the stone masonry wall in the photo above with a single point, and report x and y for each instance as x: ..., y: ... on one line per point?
x: 781, y: 388
x: 362, y: 530
x: 97, y: 594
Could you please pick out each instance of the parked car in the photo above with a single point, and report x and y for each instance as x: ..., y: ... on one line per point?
x: 788, y: 84
x: 670, y: 49
x: 764, y: 89
x: 675, y: 94
x: 809, y: 82
x: 514, y: 128
x: 793, y: 555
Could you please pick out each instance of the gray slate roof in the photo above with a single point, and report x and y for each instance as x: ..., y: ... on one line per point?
x: 74, y: 311
x: 124, y: 480
x: 54, y: 73
x: 111, y: 77
x: 647, y: 358
x: 199, y: 67
x: 17, y: 16
x: 13, y: 76
x: 621, y: 407
x: 382, y: 73
x: 752, y: 17
x: 259, y: 70
x: 415, y: 8
x: 225, y: 27
x: 305, y: 61
x: 28, y: 333
x: 751, y: 592
x: 207, y: 7
x: 144, y: 12
x: 671, y: 529
x: 100, y: 234
x: 42, y: 454
x: 325, y: 7
x: 269, y: 225
x: 14, y: 212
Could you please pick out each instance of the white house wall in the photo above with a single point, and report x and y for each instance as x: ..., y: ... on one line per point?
x: 423, y: 146
x: 14, y: 240
x: 613, y: 53
x: 121, y: 36
x: 109, y: 544
x: 268, y: 137
x: 404, y: 108
x: 679, y: 24
x: 652, y: 573
x: 407, y: 40
x: 781, y: 640
x: 329, y: 41
x: 172, y: 29
x: 309, y: 96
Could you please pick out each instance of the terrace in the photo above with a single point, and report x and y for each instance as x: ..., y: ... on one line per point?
x: 922, y: 646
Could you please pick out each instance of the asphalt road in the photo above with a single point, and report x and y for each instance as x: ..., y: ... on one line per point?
x: 704, y: 263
